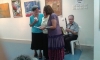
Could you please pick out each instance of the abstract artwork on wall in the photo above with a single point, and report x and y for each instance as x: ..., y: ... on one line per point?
x: 4, y: 10
x: 56, y: 5
x: 16, y: 6
x: 28, y: 7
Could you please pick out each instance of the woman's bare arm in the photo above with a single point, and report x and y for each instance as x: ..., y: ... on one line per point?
x: 54, y: 22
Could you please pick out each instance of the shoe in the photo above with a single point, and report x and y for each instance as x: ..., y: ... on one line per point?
x: 67, y: 52
x: 40, y: 56
x: 46, y: 58
x: 35, y: 55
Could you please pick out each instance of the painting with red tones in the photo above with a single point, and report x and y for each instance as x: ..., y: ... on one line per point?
x: 17, y: 10
x: 28, y: 7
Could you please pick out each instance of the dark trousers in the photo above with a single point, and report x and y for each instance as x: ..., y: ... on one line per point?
x: 45, y: 45
x: 67, y: 39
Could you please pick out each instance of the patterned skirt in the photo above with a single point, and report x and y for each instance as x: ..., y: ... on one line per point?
x: 56, y: 47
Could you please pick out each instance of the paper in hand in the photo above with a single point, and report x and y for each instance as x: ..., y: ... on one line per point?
x: 36, y: 27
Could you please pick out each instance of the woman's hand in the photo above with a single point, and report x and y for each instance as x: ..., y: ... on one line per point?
x: 42, y: 27
x: 35, y: 21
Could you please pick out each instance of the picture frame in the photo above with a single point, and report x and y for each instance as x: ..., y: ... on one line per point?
x: 28, y: 7
x: 16, y: 7
x: 4, y: 8
x: 56, y: 5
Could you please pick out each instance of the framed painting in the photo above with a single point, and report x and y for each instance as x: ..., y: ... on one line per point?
x: 4, y: 8
x: 17, y: 10
x: 28, y: 7
x: 56, y: 5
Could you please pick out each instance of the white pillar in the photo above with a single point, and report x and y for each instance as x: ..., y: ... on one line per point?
x: 96, y: 30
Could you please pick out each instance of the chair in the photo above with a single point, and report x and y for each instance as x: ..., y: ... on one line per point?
x: 72, y: 44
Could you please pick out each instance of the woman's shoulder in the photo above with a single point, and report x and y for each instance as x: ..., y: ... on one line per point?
x: 40, y: 14
x: 31, y: 16
x: 53, y: 14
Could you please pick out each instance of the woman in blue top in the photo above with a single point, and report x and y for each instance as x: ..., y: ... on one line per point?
x: 37, y: 34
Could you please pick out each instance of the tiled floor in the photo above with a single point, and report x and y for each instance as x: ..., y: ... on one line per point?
x: 87, y: 52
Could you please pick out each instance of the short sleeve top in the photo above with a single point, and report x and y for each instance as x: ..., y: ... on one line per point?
x: 57, y: 30
x: 36, y: 30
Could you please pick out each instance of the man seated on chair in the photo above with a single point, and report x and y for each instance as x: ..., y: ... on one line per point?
x: 72, y: 30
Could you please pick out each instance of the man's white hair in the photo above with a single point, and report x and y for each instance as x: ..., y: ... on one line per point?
x: 72, y: 15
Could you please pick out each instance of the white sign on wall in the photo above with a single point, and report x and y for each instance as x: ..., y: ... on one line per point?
x: 79, y: 1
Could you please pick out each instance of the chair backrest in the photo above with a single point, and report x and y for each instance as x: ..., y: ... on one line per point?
x: 79, y: 29
x: 79, y: 32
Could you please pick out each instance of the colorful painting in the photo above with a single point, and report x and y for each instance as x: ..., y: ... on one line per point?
x: 56, y: 5
x: 16, y: 6
x: 4, y: 10
x: 29, y: 5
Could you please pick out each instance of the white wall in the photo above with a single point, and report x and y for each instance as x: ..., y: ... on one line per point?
x: 96, y: 30
x: 18, y: 28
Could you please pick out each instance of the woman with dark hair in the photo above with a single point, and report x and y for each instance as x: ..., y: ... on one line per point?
x: 37, y: 34
x: 45, y: 36
x: 55, y: 37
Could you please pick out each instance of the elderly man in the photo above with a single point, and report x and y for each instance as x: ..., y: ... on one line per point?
x: 72, y: 30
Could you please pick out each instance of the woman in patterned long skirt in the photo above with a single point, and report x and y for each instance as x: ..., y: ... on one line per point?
x: 55, y: 37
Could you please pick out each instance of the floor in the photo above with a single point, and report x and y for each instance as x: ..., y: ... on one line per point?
x: 16, y: 48
x: 87, y: 53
